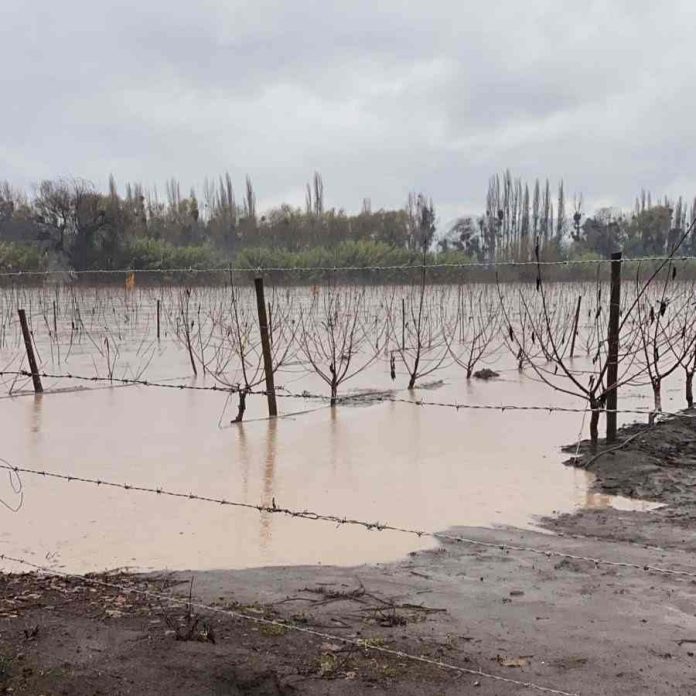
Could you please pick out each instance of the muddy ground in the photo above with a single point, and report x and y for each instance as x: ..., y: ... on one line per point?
x: 568, y: 625
x: 656, y: 464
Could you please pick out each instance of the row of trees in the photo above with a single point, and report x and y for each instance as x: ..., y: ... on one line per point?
x: 82, y: 228
x: 518, y: 216
x: 67, y: 223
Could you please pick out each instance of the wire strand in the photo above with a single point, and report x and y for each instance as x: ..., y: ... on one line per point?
x: 340, y: 521
x: 349, y: 398
x: 362, y: 644
x: 339, y: 269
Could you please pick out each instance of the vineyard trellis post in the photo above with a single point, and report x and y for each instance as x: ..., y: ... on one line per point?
x: 36, y: 379
x: 158, y: 320
x: 265, y: 347
x: 403, y: 323
x: 575, y: 327
x: 613, y: 345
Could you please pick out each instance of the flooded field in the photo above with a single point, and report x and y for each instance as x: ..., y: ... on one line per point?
x: 420, y: 466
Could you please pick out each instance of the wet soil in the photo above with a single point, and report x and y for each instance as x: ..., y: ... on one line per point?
x: 566, y: 624
x: 651, y: 463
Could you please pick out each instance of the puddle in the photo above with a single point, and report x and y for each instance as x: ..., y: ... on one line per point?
x: 420, y: 467
x: 601, y: 501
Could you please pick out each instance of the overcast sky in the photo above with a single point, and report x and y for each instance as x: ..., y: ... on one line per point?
x: 382, y: 97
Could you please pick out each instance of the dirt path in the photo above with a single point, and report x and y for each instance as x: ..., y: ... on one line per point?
x: 566, y: 624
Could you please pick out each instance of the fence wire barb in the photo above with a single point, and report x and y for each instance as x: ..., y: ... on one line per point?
x: 340, y: 521
x: 362, y: 644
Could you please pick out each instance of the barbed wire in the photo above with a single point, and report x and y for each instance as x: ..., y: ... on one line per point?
x: 369, y: 397
x: 339, y: 269
x: 341, y: 521
x: 125, y: 380
x: 513, y: 407
x: 364, y: 644
x: 225, y: 389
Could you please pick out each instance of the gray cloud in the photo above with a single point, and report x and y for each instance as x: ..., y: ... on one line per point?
x: 380, y: 97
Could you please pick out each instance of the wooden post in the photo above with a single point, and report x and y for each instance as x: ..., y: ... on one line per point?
x: 575, y: 327
x: 270, y: 324
x: 461, y: 317
x: 38, y: 388
x: 265, y: 347
x: 55, y: 321
x: 613, y: 345
x: 403, y: 324
x: 158, y: 320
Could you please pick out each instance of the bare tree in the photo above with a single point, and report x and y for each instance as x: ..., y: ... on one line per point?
x: 562, y: 378
x: 663, y: 336
x: 245, y: 355
x: 477, y: 328
x: 334, y: 335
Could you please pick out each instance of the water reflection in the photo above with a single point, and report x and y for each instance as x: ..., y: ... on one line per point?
x: 597, y: 501
x: 36, y: 411
x: 244, y: 459
x: 268, y: 498
x: 594, y: 500
x: 334, y: 436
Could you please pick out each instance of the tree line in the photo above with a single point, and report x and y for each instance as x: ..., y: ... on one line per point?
x: 520, y: 217
x: 67, y: 224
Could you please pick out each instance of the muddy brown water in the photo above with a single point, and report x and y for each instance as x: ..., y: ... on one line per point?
x: 422, y: 467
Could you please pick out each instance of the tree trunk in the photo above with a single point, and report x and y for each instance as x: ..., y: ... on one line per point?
x: 414, y: 374
x: 657, y: 396
x: 594, y: 430
x: 190, y: 352
x: 241, y: 406
x: 657, y: 393
x: 690, y: 389
x: 594, y: 425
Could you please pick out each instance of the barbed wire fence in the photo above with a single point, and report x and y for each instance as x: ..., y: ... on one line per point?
x: 334, y: 269
x: 341, y: 520
x: 366, y: 397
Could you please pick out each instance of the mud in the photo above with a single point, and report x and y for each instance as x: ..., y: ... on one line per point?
x: 560, y: 623
x: 651, y: 463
